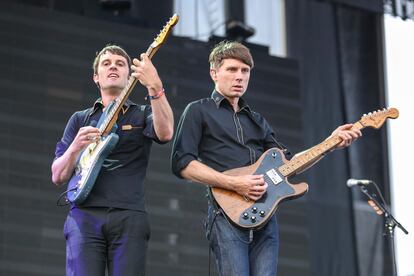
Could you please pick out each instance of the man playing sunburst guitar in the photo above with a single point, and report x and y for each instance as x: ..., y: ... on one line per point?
x: 221, y: 133
x: 110, y: 230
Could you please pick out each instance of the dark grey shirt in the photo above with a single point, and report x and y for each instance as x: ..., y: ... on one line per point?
x: 120, y: 183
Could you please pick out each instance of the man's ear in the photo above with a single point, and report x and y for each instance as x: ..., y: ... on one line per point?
x: 96, y: 80
x: 213, y: 74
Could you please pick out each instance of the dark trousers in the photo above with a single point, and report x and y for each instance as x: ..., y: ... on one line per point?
x: 106, y: 238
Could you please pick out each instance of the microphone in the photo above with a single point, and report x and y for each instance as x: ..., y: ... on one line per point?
x: 360, y: 182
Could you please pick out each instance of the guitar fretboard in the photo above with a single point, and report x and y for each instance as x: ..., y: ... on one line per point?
x: 112, y: 116
x: 304, y: 160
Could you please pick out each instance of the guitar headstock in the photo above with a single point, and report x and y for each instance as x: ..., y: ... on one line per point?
x: 162, y: 36
x: 377, y: 118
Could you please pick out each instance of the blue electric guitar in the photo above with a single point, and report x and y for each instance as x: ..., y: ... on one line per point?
x: 276, y: 169
x: 91, y: 159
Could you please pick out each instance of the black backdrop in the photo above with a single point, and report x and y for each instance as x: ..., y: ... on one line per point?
x: 46, y: 75
x: 334, y: 77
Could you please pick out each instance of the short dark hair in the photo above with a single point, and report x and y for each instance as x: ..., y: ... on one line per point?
x: 229, y: 49
x: 113, y: 49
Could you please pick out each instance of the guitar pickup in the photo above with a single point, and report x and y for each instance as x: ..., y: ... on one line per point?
x: 129, y: 127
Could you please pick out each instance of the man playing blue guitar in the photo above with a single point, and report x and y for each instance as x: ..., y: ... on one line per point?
x: 109, y: 229
x: 221, y: 133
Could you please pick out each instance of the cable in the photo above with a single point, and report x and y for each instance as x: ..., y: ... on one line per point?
x: 67, y: 202
x: 379, y: 192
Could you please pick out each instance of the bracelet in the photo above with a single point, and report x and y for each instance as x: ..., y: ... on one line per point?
x: 156, y: 96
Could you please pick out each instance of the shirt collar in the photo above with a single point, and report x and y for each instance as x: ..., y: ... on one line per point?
x: 218, y: 99
x: 99, y: 104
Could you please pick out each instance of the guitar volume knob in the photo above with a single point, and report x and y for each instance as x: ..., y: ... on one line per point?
x: 253, y: 219
x: 245, y: 215
x: 262, y: 213
x: 254, y: 210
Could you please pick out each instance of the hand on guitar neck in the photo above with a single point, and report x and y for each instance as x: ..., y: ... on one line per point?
x: 348, y: 133
x: 146, y: 73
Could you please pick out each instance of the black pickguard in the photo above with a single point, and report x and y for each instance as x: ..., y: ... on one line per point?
x: 262, y: 209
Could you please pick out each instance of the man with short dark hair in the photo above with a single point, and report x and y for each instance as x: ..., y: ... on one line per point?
x: 221, y: 133
x: 110, y: 229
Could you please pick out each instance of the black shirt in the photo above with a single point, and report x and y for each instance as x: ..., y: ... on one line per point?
x: 210, y: 131
x: 120, y: 183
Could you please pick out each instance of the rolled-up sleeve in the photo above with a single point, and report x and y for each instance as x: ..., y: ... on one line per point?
x: 149, y: 130
x: 187, y: 138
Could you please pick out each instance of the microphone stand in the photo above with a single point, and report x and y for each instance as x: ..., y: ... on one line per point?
x: 390, y: 222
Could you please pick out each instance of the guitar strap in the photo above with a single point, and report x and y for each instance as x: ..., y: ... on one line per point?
x: 253, y: 115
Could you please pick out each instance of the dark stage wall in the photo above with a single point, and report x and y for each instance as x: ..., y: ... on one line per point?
x: 338, y: 44
x: 45, y: 75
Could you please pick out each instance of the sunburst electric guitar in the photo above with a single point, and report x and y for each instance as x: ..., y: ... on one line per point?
x: 276, y: 170
x: 91, y: 159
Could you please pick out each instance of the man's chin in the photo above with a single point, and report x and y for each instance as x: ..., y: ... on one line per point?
x: 113, y: 90
x: 238, y: 93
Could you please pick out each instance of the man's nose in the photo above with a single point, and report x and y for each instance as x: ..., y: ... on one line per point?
x: 239, y: 75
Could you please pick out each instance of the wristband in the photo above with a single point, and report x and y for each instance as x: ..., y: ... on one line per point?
x: 156, y: 96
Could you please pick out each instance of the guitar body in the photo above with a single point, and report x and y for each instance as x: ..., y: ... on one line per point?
x: 90, y: 162
x: 254, y: 214
x: 88, y: 168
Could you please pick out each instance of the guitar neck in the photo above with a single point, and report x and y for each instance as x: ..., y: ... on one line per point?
x: 306, y: 159
x: 110, y: 120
